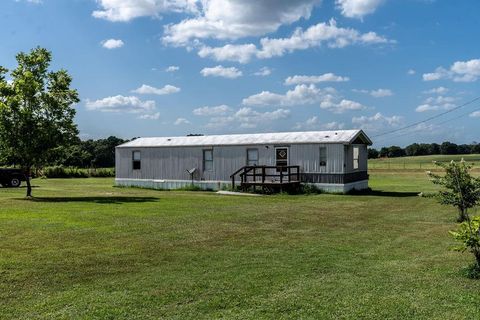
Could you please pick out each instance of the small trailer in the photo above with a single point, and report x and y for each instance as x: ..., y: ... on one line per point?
x: 334, y: 161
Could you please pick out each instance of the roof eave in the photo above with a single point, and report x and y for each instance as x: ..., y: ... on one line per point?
x: 361, y: 132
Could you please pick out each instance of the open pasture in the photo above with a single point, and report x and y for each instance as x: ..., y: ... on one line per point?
x: 83, y: 249
x: 420, y: 162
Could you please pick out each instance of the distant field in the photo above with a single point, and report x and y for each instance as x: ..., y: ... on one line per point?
x: 420, y: 162
x: 85, y: 250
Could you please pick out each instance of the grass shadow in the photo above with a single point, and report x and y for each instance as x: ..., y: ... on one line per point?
x: 102, y: 200
x: 381, y: 193
x: 21, y: 187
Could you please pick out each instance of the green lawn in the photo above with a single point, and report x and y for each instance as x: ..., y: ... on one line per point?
x: 419, y: 162
x: 86, y: 250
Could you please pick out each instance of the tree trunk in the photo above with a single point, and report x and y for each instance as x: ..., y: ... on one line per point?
x: 477, y: 257
x: 462, y: 215
x: 29, y: 186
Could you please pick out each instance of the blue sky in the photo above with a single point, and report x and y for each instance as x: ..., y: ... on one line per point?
x: 173, y: 67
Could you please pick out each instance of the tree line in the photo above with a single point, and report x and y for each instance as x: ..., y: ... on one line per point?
x: 80, y: 154
x: 87, y: 153
x: 424, y: 149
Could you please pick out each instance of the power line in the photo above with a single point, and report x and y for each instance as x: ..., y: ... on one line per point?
x: 428, y: 119
x: 460, y: 116
x: 440, y: 123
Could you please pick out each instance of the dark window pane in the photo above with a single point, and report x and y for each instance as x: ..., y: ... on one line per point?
x: 323, y: 156
x: 136, y: 165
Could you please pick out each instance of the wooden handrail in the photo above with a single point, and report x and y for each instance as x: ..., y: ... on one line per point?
x: 283, y: 172
x: 241, y: 169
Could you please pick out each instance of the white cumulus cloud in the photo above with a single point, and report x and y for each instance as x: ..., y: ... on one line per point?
x: 172, y: 69
x: 459, y: 71
x: 248, y: 118
x: 154, y: 116
x: 327, y: 77
x: 377, y: 121
x: 121, y: 103
x: 241, y: 53
x: 263, y: 72
x: 300, y: 95
x: 314, y: 123
x: 181, y: 121
x: 328, y: 34
x: 380, y: 93
x: 212, y: 111
x: 126, y: 10
x: 436, y: 103
x: 234, y: 19
x: 358, y: 8
x: 112, y: 44
x: 438, y: 90
x: 146, y: 89
x: 221, y: 71
x: 303, y: 94
x: 336, y: 105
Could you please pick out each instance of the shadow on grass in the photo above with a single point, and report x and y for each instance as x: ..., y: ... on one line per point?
x: 22, y: 187
x: 103, y: 200
x: 380, y: 193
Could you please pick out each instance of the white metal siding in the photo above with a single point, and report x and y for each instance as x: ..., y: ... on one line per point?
x: 362, y: 160
x: 172, y: 162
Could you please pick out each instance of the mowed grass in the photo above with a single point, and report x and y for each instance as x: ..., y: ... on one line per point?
x: 85, y: 250
x: 420, y: 162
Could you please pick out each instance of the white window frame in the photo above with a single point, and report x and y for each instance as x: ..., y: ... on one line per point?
x: 204, y: 151
x: 356, y: 161
x: 139, y: 160
x: 249, y: 161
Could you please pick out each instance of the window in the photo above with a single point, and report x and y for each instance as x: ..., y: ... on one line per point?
x: 356, y: 153
x: 252, y: 157
x: 208, y: 160
x: 136, y: 160
x: 323, y: 156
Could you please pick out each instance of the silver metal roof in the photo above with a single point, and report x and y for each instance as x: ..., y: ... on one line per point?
x: 338, y: 136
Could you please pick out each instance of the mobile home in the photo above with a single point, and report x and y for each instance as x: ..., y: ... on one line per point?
x: 334, y: 161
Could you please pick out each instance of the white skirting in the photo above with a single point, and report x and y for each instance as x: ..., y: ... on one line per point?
x: 172, y: 184
x: 342, y: 188
x: 219, y: 185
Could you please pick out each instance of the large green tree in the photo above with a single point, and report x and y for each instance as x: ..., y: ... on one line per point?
x: 36, y: 111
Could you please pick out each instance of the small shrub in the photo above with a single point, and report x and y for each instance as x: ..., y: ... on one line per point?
x: 428, y: 194
x: 190, y: 188
x: 460, y: 189
x: 309, y: 189
x: 468, y: 235
x: 472, y: 271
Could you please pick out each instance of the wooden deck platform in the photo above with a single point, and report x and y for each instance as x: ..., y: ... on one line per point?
x: 270, y: 178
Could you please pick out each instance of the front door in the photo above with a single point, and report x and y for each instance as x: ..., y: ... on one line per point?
x: 281, y: 157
